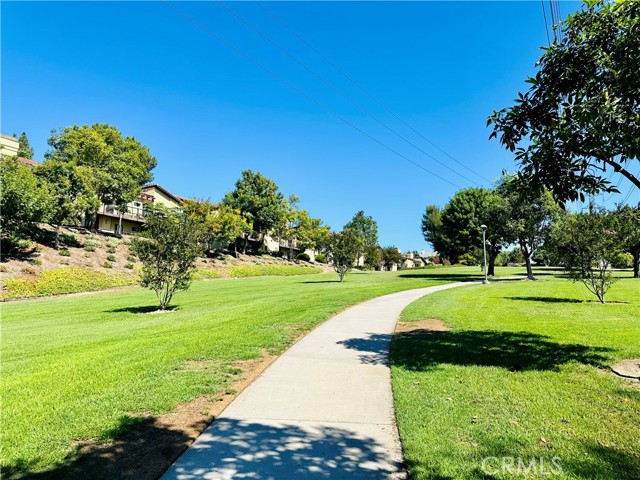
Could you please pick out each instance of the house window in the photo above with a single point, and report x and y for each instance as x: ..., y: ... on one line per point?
x: 134, y: 229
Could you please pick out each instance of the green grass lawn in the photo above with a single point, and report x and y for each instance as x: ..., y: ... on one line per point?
x: 523, y: 373
x: 80, y: 367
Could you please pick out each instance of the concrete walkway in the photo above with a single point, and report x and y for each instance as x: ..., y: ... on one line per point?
x: 324, y: 409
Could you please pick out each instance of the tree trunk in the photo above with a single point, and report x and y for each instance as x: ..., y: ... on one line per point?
x: 527, y: 260
x: 246, y: 240
x: 636, y: 264
x: 492, y: 264
x: 235, y: 247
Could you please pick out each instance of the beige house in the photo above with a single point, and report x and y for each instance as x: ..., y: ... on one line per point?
x: 8, y: 146
x: 111, y: 220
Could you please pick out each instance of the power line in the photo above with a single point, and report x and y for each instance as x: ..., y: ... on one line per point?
x: 329, y: 85
x: 297, y: 90
x: 546, y: 23
x: 362, y: 89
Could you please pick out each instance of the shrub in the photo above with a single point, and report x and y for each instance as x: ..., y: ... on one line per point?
x: 321, y: 258
x: 107, y: 265
x: 205, y: 274
x: 111, y: 258
x: 303, y: 256
x: 111, y: 250
x: 64, y: 253
x: 90, y: 248
x: 35, y: 261
x: 64, y: 262
x: 265, y: 270
x: 64, y: 280
x: 92, y: 242
x: 129, y: 266
x: 131, y: 258
x: 3, y: 268
x: 622, y: 260
x: 113, y: 242
x: 28, y: 270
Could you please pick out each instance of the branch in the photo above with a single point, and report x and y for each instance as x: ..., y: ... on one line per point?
x: 617, y: 167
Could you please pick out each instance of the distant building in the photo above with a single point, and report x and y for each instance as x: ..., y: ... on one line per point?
x: 8, y: 145
x: 111, y: 220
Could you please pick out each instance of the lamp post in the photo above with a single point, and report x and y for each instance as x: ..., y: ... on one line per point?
x: 484, y: 250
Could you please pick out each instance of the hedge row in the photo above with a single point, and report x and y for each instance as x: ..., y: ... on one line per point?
x: 63, y: 280
x: 264, y: 270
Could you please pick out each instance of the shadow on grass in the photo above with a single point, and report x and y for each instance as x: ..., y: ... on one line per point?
x: 144, y: 309
x: 232, y: 449
x: 142, y: 450
x: 588, y: 461
x: 516, y: 351
x: 337, y: 280
x: 545, y: 299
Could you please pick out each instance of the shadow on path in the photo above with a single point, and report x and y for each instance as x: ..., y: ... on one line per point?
x: 278, y: 450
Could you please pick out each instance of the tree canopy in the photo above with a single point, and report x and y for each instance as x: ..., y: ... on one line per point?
x: 258, y: 199
x: 580, y: 118
x: 114, y: 167
x: 24, y: 147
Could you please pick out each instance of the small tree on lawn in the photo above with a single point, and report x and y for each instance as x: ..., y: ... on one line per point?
x: 168, y: 248
x: 343, y: 249
x: 586, y: 243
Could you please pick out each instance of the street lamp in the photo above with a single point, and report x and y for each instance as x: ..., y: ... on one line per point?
x: 484, y: 250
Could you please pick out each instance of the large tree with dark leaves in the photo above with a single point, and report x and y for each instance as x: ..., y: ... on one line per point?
x: 580, y: 119
x: 113, y: 166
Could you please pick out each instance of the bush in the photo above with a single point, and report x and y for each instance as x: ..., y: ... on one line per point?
x: 64, y: 262
x: 35, y: 261
x: 107, y: 265
x: 64, y: 253
x: 265, y: 270
x: 468, y: 259
x: 132, y: 258
x: 303, y: 256
x: 622, y: 260
x: 205, y: 274
x: 111, y: 258
x: 321, y: 258
x: 111, y: 250
x: 63, y: 280
x: 92, y: 241
x: 90, y: 248
x: 129, y: 266
x: 28, y: 270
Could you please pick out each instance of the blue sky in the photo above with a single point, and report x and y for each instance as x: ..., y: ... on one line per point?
x: 207, y: 113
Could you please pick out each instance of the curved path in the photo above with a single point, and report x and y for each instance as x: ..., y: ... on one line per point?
x: 324, y: 409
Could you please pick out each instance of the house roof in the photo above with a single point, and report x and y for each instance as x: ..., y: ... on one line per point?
x: 28, y: 161
x: 163, y: 190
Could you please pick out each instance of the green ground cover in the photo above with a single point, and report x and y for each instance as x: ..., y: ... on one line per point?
x: 522, y: 374
x: 81, y: 367
x: 63, y: 280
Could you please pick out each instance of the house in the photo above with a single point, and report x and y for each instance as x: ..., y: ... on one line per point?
x: 8, y: 146
x: 111, y: 220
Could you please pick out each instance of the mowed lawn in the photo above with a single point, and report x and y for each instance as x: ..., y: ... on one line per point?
x: 77, y: 368
x: 522, y: 374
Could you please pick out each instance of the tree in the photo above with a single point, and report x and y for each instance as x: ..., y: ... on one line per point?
x: 373, y: 257
x: 628, y: 228
x: 365, y: 229
x: 259, y: 201
x: 168, y: 248
x: 24, y: 148
x: 300, y: 230
x: 391, y: 255
x: 587, y: 243
x: 70, y: 197
x: 221, y: 224
x: 581, y: 115
x: 23, y: 197
x: 432, y: 230
x: 530, y: 214
x: 343, y: 249
x: 115, y: 167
